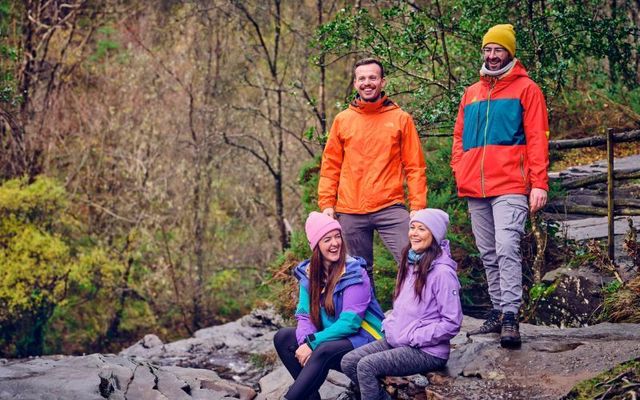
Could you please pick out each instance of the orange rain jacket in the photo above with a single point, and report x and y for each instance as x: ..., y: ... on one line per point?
x: 500, y: 140
x: 371, y: 148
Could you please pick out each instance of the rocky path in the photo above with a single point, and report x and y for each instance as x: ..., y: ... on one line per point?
x: 550, y: 362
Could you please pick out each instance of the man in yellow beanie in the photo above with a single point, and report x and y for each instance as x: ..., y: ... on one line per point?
x: 500, y: 158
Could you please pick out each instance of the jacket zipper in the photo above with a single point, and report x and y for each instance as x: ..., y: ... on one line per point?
x: 484, y: 146
x: 524, y: 179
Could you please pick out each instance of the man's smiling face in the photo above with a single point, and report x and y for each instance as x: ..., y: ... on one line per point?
x: 368, y: 81
x: 495, y: 57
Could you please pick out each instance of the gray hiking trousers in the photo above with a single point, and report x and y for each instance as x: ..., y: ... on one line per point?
x: 366, y: 365
x: 498, y: 227
x: 392, y: 223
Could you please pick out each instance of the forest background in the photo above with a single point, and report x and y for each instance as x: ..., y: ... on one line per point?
x: 159, y: 158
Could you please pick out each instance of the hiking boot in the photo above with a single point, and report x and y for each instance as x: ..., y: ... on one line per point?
x: 493, y: 324
x: 510, y: 335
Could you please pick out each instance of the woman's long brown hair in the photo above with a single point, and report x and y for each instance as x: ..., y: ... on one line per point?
x: 422, y: 268
x: 317, y: 283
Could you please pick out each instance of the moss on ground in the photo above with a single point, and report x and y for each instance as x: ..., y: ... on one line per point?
x: 620, y: 382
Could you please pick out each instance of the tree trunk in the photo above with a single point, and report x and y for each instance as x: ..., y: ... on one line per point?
x: 321, y: 87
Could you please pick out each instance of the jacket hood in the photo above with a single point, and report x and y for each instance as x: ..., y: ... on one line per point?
x: 351, y: 275
x: 518, y: 71
x: 383, y: 104
x: 445, y: 258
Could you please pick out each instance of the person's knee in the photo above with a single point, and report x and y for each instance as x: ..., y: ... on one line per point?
x: 323, y: 352
x: 281, y: 337
x: 508, y: 244
x: 488, y: 258
x: 349, y: 362
x: 366, y: 367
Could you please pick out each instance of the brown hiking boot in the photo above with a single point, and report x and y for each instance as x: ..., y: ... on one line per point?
x: 493, y: 324
x: 510, y: 335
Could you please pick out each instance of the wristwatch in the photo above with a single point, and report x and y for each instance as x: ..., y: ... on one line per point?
x: 310, y: 338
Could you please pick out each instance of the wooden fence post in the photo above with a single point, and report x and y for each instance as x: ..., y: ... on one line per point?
x: 610, y: 196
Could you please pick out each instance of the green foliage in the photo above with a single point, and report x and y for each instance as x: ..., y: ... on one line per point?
x: 222, y: 283
x: 298, y: 249
x: 80, y: 322
x: 35, y: 261
x: 385, y: 271
x: 443, y: 194
x: 403, y: 39
x: 105, y: 45
x: 556, y: 39
x: 540, y: 291
x: 281, y: 288
x: 581, y: 257
x: 621, y: 94
x: 556, y: 190
x: 264, y: 361
x: 612, y: 288
x: 9, y: 51
x: 299, y: 246
x: 622, y: 301
x: 599, y: 387
x: 308, y: 179
x: 41, y: 266
x: 432, y: 51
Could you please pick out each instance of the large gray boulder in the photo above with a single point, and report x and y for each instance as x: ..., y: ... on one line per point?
x: 99, y: 377
x: 274, y: 385
x: 231, y: 349
x: 577, y: 295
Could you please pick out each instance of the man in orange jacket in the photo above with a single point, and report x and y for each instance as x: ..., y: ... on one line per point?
x: 500, y: 157
x: 372, y: 147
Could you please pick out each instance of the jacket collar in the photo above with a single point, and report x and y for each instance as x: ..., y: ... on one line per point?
x: 367, y: 107
x: 514, y: 73
x: 352, y: 273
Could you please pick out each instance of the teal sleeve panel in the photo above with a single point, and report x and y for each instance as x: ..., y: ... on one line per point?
x: 346, y: 325
x: 303, y: 302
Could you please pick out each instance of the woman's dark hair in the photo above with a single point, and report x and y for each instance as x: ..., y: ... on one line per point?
x: 421, y: 269
x: 317, y: 282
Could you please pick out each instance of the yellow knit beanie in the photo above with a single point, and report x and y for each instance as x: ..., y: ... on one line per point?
x: 502, y: 34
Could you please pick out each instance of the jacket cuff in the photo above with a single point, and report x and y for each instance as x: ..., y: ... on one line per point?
x: 309, y: 339
x: 324, y: 205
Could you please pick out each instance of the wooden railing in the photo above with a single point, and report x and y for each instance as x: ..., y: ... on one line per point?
x: 610, y: 176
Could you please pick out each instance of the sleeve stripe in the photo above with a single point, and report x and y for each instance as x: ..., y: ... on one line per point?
x: 365, y: 325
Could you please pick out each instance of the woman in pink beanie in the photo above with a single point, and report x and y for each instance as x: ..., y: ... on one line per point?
x: 328, y: 326
x: 426, y: 311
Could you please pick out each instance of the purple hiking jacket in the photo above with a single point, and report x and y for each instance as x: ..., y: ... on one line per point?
x: 431, y: 323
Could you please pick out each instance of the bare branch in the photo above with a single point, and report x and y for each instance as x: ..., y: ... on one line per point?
x: 251, y: 151
x: 271, y: 61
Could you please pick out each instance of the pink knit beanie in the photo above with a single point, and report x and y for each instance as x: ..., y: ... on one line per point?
x: 435, y: 219
x: 318, y: 225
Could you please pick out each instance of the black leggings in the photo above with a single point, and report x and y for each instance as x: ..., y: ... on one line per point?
x: 308, y: 379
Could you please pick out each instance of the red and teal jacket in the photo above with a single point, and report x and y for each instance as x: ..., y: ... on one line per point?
x: 358, y: 316
x: 501, y: 137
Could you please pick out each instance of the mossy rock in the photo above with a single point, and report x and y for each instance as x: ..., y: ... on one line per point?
x: 617, y: 383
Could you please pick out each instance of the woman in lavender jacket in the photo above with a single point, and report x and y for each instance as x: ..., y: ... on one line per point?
x: 426, y: 311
